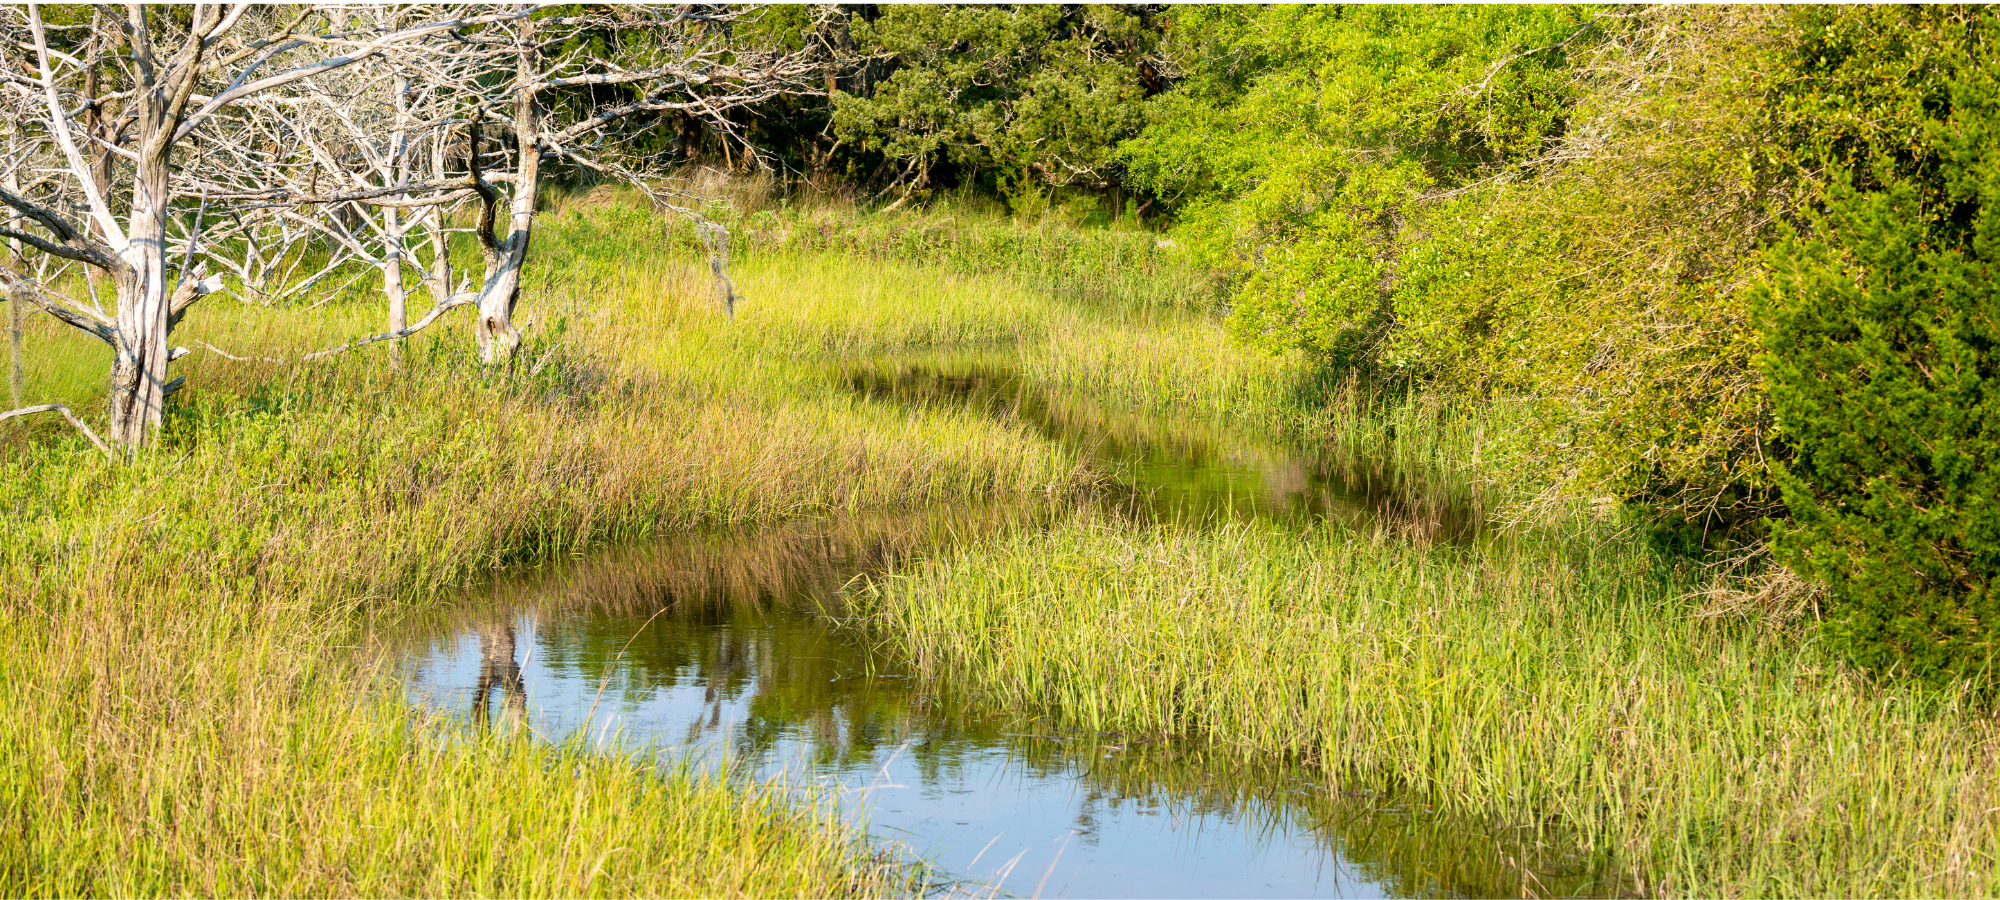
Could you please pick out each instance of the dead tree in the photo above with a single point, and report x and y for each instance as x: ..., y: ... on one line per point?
x: 544, y: 99
x: 12, y: 178
x: 505, y: 98
x: 359, y: 163
x: 165, y: 73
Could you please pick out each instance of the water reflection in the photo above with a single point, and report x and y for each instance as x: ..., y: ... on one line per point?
x: 721, y: 646
x: 1180, y: 470
x: 498, y: 670
x: 730, y: 647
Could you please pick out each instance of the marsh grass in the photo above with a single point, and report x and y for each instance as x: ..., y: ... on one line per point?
x: 188, y: 715
x: 181, y: 695
x: 1558, y: 685
x: 737, y: 596
x: 1122, y: 267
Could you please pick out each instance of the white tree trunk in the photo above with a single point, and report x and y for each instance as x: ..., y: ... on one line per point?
x: 392, y: 268
x: 14, y: 372
x: 139, y: 359
x: 440, y: 280
x: 498, y: 338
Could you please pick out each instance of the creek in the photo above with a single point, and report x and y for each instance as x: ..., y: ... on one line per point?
x: 727, y: 646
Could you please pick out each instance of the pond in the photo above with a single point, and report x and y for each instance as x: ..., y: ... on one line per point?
x: 720, y: 645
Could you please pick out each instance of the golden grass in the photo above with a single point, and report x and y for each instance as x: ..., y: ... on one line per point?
x: 186, y: 717
x: 182, y: 709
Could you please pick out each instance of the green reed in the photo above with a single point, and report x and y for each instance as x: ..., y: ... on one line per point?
x: 181, y: 697
x: 1537, y: 682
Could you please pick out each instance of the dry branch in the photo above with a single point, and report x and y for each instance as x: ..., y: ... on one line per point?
x: 61, y: 408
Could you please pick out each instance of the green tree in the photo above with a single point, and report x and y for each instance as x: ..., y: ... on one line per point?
x: 1883, y: 352
x: 1302, y: 141
x: 1566, y: 207
x: 1017, y: 100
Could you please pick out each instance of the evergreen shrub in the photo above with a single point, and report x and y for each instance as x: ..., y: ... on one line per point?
x: 1882, y: 354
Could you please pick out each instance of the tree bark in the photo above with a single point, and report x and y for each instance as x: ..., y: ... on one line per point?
x: 498, y: 338
x: 140, y: 356
x: 392, y: 279
x: 392, y: 268
x: 16, y: 378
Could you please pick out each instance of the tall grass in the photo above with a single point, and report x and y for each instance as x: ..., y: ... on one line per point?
x: 188, y: 717
x: 1175, y: 363
x: 1560, y: 685
x: 1125, y: 266
x: 181, y: 699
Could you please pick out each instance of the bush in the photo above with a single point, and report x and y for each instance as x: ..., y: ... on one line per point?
x: 1882, y: 357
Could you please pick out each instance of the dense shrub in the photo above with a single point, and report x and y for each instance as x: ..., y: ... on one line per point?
x: 1020, y: 102
x: 1303, y: 140
x: 1883, y: 360
x: 1548, y: 204
x: 1566, y: 208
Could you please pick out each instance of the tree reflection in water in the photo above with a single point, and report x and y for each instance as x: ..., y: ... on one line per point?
x: 732, y: 644
x: 498, y: 668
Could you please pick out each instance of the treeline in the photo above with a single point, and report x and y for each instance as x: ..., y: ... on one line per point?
x: 1730, y: 267
x: 1736, y: 263
x: 1025, y: 104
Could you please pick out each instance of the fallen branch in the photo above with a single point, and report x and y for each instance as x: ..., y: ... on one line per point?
x: 228, y: 355
x: 58, y: 407
x: 450, y: 303
x: 463, y: 298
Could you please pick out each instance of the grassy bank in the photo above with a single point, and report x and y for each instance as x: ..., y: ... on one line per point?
x: 1560, y: 685
x: 184, y: 718
x: 180, y: 698
x: 190, y: 719
x: 1561, y: 676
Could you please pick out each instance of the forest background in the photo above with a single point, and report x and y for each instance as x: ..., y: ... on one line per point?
x: 1730, y: 268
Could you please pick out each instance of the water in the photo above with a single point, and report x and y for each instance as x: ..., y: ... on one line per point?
x: 721, y: 646
x: 1179, y: 469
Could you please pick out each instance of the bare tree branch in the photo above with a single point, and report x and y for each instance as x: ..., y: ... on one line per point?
x: 59, y: 126
x: 23, y: 289
x: 58, y: 407
x: 355, y: 52
x: 453, y: 302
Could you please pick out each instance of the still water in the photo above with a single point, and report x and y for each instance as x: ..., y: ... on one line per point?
x: 729, y: 647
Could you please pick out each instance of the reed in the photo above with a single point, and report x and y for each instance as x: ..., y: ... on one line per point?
x: 1556, y: 684
x: 1116, y: 268
x: 181, y: 697
x: 189, y: 716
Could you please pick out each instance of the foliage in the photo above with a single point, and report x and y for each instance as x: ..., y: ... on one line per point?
x: 1882, y: 328
x: 1020, y: 99
x: 1559, y: 208
x: 1301, y: 139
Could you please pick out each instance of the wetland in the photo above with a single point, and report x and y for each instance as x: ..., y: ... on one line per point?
x: 734, y: 647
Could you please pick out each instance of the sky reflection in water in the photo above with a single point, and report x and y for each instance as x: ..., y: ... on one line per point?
x: 716, y: 645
